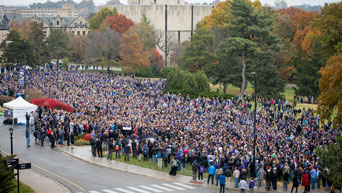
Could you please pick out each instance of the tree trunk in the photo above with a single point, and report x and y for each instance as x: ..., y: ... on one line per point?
x: 243, y: 86
x: 225, y: 88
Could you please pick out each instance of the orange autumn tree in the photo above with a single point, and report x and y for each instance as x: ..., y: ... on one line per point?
x: 119, y: 23
x: 157, y: 59
x: 330, y: 85
x: 132, y: 54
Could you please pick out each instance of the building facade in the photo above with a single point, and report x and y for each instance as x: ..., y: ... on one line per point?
x: 67, y: 10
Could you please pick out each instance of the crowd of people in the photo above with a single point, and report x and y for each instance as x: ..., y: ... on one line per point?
x: 135, y: 117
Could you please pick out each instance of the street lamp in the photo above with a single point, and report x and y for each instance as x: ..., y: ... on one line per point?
x: 254, y: 125
x: 11, y: 133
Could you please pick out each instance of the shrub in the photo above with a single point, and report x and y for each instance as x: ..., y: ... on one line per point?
x: 87, y: 136
x: 4, y: 99
x: 179, y: 79
x: 81, y: 142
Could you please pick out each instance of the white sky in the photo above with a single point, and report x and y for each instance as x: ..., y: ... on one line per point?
x: 102, y: 2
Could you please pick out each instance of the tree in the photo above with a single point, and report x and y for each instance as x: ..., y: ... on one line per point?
x: 119, y: 23
x: 157, y: 59
x: 178, y: 79
x: 146, y: 33
x: 57, y: 44
x: 330, y: 85
x: 228, y: 70
x: 132, y: 54
x: 329, y: 24
x: 16, y: 50
x: 177, y: 53
x: 280, y: 4
x: 331, y: 158
x: 37, y: 40
x: 77, y: 46
x: 202, y: 81
x: 199, y: 54
x: 6, y: 176
x: 165, y: 46
x: 103, y: 47
x: 97, y: 20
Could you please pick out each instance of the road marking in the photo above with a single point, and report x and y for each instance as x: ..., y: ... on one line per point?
x: 173, y: 186
x: 123, y: 190
x: 138, y: 190
x: 161, y: 187
x: 151, y: 189
x: 56, y: 175
x: 109, y: 191
x: 183, y: 185
x: 94, y: 192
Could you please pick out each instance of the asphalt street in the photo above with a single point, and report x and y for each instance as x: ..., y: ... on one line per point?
x: 80, y: 176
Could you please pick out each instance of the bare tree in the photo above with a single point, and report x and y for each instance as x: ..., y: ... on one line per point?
x: 168, y: 45
x: 178, y: 52
x: 103, y: 47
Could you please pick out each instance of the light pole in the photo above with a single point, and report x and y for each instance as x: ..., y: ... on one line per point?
x: 11, y: 137
x: 254, y: 125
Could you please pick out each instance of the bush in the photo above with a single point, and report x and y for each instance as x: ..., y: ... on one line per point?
x: 81, y: 142
x: 193, y: 94
x: 87, y: 136
x: 33, y: 93
x: 4, y: 99
x: 179, y: 79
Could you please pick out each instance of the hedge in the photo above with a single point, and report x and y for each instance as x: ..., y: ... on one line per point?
x: 193, y: 94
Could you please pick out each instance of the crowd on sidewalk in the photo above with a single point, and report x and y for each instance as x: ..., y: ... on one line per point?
x: 134, y: 117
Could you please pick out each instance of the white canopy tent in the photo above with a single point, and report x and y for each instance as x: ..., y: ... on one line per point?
x: 20, y: 107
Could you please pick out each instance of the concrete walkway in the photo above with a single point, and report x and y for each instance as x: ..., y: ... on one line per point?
x: 84, y: 153
x: 41, y: 184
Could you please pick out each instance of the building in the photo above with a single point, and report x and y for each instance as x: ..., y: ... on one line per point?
x: 67, y: 10
x: 180, y: 18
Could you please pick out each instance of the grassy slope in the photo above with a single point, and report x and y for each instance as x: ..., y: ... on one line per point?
x: 23, y: 188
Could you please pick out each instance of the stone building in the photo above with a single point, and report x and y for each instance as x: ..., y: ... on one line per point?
x: 67, y: 10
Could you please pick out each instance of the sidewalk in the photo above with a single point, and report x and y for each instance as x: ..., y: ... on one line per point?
x: 41, y: 184
x: 84, y: 153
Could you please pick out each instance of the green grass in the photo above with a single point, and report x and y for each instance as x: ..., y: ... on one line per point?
x: 22, y: 187
x: 187, y: 171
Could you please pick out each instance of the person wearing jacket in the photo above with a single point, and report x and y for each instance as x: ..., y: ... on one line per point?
x: 27, y: 134
x: 218, y: 173
x: 306, y: 182
x: 222, y: 183
x: 268, y: 179
x: 228, y: 174
x: 211, y: 171
x: 295, y: 183
x: 99, y: 147
x: 236, y: 175
x: 110, y: 149
x: 274, y: 177
x: 260, y: 178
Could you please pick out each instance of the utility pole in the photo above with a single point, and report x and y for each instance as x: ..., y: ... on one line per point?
x: 165, y: 36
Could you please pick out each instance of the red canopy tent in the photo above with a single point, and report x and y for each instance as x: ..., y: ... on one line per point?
x: 52, y: 103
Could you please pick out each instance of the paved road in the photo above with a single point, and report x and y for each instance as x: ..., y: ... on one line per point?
x: 79, y: 176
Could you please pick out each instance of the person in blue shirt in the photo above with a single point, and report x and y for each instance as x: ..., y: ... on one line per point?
x: 222, y: 183
x: 211, y: 171
x: 313, y: 177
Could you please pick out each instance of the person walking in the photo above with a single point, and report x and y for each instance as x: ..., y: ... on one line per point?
x: 236, y: 175
x: 27, y: 116
x: 27, y: 134
x: 243, y: 185
x: 211, y: 171
x: 110, y: 149
x: 222, y: 183
x: 42, y: 136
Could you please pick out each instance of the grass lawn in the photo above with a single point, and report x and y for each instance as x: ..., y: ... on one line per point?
x: 22, y: 187
x: 187, y: 171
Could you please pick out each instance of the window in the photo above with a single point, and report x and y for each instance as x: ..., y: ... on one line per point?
x: 57, y: 22
x: 78, y: 32
x: 73, y: 32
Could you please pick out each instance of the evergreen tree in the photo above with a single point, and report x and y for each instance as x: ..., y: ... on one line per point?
x: 57, y: 42
x: 331, y: 158
x: 40, y: 54
x: 199, y: 54
x: 6, y: 176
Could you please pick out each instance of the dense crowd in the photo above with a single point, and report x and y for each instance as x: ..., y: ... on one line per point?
x: 134, y: 116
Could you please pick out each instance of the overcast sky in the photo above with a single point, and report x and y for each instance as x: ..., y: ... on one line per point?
x: 101, y: 2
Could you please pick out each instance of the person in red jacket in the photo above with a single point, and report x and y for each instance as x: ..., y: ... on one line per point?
x: 306, y: 182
